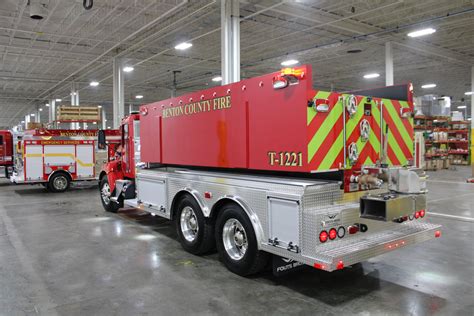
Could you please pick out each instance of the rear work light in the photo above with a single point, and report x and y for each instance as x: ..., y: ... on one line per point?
x: 288, y: 76
x: 323, y: 236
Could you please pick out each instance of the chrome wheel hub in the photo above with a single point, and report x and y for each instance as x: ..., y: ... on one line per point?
x: 189, y: 224
x: 235, y: 239
x: 105, y: 193
x: 60, y: 183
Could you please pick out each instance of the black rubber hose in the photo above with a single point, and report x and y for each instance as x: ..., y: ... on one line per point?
x: 87, y: 6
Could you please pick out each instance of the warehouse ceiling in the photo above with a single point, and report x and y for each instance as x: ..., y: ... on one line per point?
x: 39, y: 59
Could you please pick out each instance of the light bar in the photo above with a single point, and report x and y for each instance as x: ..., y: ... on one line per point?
x: 289, y: 62
x: 217, y: 79
x: 139, y: 96
x: 422, y: 32
x: 128, y: 69
x: 183, y: 46
x: 428, y: 86
x: 468, y: 93
x: 93, y: 83
x: 371, y: 76
x: 462, y: 107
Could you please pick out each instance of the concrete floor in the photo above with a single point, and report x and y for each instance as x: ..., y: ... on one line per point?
x: 62, y: 254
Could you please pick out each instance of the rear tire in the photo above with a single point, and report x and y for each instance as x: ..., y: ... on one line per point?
x: 195, y: 232
x: 237, y: 243
x: 105, y: 195
x: 59, y: 182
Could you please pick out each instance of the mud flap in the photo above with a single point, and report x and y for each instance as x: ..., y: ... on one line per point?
x: 282, y: 266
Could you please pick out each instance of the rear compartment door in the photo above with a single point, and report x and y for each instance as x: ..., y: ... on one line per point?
x: 85, y: 161
x: 33, y: 162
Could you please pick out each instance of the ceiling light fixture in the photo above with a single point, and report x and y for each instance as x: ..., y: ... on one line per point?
x: 217, y: 79
x: 183, y: 46
x: 94, y: 83
x: 58, y: 100
x: 41, y: 109
x: 371, y: 76
x: 138, y: 96
x: 128, y: 68
x: 429, y: 86
x: 47, y: 104
x: 422, y: 32
x: 289, y: 62
x: 32, y: 114
x: 99, y: 106
x: 461, y: 107
x: 468, y: 93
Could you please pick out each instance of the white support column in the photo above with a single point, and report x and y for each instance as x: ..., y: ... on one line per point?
x: 27, y: 120
x: 104, y: 119
x: 230, y: 41
x: 38, y: 116
x: 472, y: 103
x: 118, y: 93
x: 74, y: 101
x: 388, y: 64
x: 52, y: 113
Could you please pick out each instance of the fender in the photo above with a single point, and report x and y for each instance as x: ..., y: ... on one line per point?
x: 113, y: 170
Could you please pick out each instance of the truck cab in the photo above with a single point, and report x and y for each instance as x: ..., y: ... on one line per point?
x: 122, y: 162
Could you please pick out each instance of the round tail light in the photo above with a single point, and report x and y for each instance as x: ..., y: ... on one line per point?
x: 422, y: 213
x: 332, y: 233
x: 323, y: 236
x: 417, y: 214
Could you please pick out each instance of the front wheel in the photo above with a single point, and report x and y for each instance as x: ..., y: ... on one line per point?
x: 236, y: 242
x: 106, y: 194
x: 59, y: 182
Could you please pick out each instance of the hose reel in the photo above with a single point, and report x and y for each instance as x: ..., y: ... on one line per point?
x: 364, y: 130
x: 350, y: 103
x: 353, y: 153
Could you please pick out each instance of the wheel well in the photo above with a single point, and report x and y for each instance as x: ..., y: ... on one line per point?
x: 216, y: 208
x: 61, y: 171
x: 176, y: 200
x: 102, y: 174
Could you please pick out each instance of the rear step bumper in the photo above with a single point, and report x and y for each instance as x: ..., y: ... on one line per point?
x: 366, y: 247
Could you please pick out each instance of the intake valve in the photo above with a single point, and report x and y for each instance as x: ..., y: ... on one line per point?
x: 370, y: 180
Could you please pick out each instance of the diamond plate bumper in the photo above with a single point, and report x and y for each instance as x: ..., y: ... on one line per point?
x: 365, y: 247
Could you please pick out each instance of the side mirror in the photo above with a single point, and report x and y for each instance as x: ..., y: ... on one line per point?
x: 101, y: 140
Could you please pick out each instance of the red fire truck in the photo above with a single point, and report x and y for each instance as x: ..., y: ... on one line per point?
x: 6, y: 150
x: 55, y: 158
x: 268, y: 165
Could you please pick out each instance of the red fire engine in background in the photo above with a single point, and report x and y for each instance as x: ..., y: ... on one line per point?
x: 6, y: 151
x: 268, y: 165
x: 57, y: 157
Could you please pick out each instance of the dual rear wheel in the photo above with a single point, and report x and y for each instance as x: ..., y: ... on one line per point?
x: 231, y: 233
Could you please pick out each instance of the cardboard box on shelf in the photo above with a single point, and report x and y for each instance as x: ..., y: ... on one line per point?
x: 34, y: 125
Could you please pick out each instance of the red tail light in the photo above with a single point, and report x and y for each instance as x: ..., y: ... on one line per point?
x: 319, y: 266
x: 422, y: 213
x: 340, y: 265
x: 417, y: 214
x: 323, y: 236
x: 437, y: 233
x: 352, y: 229
x: 332, y: 233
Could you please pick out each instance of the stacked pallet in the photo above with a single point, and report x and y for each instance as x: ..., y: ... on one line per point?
x: 78, y: 114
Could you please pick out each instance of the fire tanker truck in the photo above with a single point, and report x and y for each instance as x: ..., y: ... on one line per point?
x: 6, y: 150
x: 57, y: 157
x: 269, y: 165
